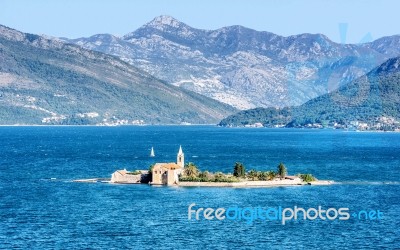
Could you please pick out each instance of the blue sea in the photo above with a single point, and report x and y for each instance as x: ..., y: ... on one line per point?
x: 41, y: 208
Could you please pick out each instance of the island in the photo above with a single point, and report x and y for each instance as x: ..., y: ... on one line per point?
x: 188, y: 175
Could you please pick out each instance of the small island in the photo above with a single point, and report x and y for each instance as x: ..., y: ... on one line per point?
x: 189, y: 175
x: 192, y: 176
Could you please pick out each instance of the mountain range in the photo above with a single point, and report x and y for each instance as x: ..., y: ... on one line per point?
x: 242, y: 67
x: 369, y: 102
x: 46, y: 81
x: 167, y: 72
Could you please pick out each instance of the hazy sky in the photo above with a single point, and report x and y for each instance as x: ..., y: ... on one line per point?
x: 78, y: 18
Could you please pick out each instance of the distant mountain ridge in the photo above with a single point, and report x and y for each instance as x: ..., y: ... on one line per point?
x: 243, y: 67
x: 372, y: 100
x: 45, y: 81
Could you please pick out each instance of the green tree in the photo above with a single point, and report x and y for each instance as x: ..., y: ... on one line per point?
x: 151, y: 168
x: 307, y: 177
x: 239, y: 170
x: 151, y: 171
x: 270, y: 175
x: 219, y: 177
x: 205, y: 176
x: 262, y: 176
x: 191, y: 170
x: 253, y: 175
x: 282, y: 171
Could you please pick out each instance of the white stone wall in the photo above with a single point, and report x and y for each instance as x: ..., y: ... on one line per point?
x: 126, y: 178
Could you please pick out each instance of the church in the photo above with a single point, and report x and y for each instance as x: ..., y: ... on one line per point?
x: 168, y: 173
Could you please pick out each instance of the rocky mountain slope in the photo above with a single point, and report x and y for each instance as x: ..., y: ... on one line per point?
x: 372, y: 100
x: 45, y: 81
x: 243, y: 67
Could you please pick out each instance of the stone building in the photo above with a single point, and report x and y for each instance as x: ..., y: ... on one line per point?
x: 126, y: 177
x: 168, y: 173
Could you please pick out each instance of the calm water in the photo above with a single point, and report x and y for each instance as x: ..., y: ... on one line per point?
x: 37, y: 212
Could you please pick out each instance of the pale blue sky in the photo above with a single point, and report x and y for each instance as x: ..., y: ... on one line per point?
x: 78, y: 18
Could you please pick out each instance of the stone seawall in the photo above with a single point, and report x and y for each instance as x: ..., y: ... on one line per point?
x: 128, y: 178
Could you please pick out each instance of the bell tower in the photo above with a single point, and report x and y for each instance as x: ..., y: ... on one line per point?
x: 180, y: 158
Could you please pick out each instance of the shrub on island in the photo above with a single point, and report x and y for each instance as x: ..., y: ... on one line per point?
x: 254, y: 175
x: 136, y: 172
x: 192, y: 179
x: 217, y: 177
x: 191, y: 173
x: 307, y: 177
x: 221, y: 177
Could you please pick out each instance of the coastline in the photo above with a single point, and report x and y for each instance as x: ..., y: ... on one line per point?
x: 275, y: 183
x: 116, y: 125
x: 197, y: 125
x: 252, y: 184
